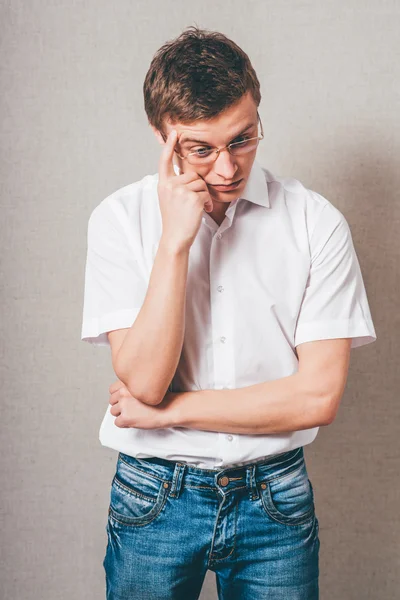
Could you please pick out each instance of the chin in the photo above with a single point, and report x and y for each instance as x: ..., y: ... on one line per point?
x: 224, y: 197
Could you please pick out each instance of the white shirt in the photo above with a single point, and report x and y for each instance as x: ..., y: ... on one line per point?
x: 281, y: 269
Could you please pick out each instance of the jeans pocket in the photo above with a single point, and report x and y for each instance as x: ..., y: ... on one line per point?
x: 136, y: 497
x: 288, y: 499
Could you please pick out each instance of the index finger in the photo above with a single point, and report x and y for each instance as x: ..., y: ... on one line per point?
x: 166, y: 167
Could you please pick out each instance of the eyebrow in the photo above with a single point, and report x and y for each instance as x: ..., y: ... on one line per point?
x: 203, y: 142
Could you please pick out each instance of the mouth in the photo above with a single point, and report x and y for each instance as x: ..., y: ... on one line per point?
x: 227, y: 188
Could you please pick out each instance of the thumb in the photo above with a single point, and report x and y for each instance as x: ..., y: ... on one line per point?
x: 208, y: 205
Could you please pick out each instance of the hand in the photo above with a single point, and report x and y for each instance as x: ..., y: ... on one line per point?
x: 182, y: 199
x: 131, y: 412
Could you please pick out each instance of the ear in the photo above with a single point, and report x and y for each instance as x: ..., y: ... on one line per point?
x: 158, y: 135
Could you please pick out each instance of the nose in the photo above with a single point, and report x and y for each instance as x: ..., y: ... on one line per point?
x: 225, y: 165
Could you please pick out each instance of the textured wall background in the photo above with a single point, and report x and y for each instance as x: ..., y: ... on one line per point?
x: 73, y: 130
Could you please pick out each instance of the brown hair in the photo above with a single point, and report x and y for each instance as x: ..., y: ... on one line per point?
x: 197, y: 76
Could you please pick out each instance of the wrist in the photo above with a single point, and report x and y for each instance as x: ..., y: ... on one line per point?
x: 173, y: 409
x: 172, y: 247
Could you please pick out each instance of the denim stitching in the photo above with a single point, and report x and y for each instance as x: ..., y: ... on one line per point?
x: 129, y: 490
x: 234, y: 539
x: 141, y: 471
x: 203, y: 487
x: 286, y: 519
x: 281, y: 477
x: 112, y: 513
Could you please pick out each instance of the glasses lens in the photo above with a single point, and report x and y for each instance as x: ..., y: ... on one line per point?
x: 205, y: 156
x: 202, y: 157
x: 243, y: 147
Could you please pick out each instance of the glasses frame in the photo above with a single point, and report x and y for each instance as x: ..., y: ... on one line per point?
x: 228, y: 147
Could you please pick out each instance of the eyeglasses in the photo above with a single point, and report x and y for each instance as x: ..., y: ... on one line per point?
x: 205, y: 155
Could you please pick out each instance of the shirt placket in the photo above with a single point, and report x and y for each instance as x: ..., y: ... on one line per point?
x: 222, y: 322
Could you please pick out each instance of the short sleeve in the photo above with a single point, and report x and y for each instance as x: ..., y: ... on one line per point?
x: 335, y: 303
x: 114, y: 287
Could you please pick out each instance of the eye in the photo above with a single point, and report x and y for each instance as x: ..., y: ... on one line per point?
x: 203, y: 151
x: 241, y: 139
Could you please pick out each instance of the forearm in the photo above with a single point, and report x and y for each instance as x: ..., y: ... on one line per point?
x: 282, y: 405
x: 149, y: 355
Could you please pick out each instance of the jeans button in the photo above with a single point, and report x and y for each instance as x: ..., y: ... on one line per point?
x: 223, y: 480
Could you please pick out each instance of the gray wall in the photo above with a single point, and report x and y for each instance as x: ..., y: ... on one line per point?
x: 73, y: 130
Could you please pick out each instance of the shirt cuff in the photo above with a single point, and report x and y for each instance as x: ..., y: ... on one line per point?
x: 95, y: 330
x: 362, y: 332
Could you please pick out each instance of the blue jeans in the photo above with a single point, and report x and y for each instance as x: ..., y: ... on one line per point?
x: 255, y: 526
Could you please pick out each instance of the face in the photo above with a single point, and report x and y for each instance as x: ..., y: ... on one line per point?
x: 241, y: 118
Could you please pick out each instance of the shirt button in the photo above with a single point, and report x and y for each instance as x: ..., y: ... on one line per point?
x: 222, y: 339
x: 219, y: 235
x: 220, y: 288
x: 230, y: 438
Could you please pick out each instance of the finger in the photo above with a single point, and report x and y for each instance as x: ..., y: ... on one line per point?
x: 187, y: 177
x: 115, y: 386
x: 115, y: 410
x: 113, y: 399
x: 207, y: 200
x: 166, y: 167
x: 198, y: 185
x: 208, y: 206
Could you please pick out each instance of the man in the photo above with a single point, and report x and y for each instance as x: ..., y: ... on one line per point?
x: 230, y: 298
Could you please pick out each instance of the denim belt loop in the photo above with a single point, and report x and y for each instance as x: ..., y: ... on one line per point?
x: 177, y: 480
x: 251, y: 481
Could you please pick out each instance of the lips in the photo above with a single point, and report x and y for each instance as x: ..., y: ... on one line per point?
x: 226, y: 187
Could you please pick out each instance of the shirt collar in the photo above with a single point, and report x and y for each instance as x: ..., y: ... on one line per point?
x: 256, y: 188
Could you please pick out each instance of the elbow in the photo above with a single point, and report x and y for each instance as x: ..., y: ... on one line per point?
x: 330, y: 411
x: 147, y: 397
x: 152, y: 400
x: 327, y: 419
x: 139, y: 390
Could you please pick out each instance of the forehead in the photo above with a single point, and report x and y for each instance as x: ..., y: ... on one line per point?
x: 227, y: 124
